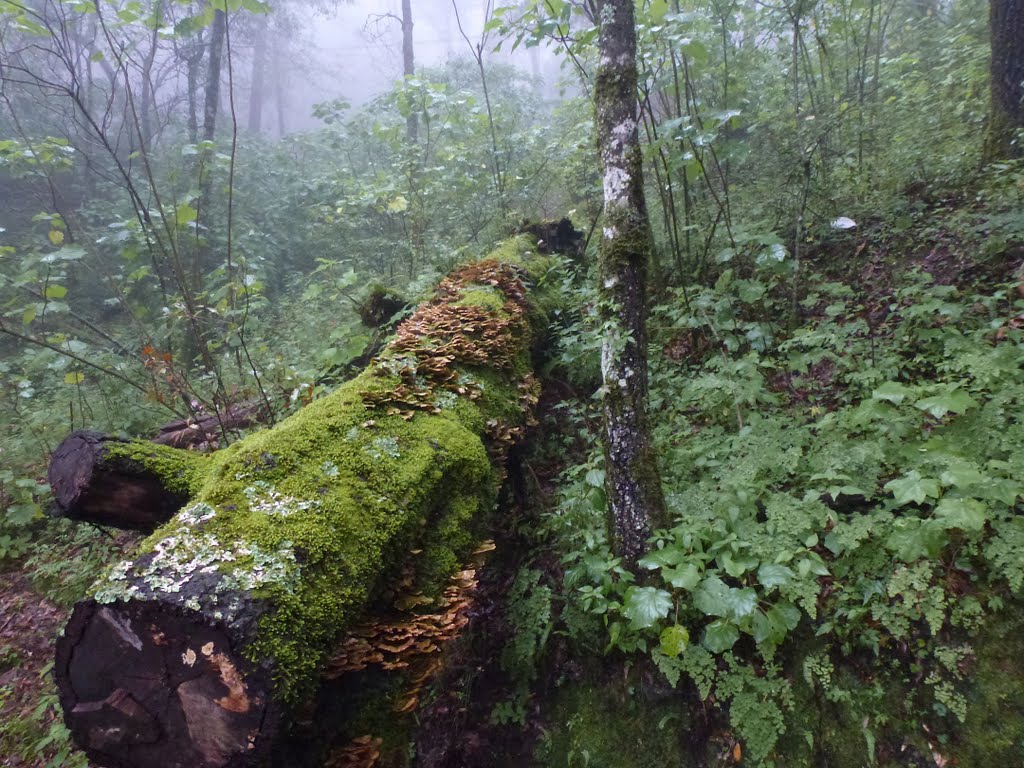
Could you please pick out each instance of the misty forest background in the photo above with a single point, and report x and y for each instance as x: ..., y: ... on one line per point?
x: 196, y: 200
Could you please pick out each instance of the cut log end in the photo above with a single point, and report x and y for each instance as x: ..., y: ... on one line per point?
x: 143, y: 684
x: 90, y: 487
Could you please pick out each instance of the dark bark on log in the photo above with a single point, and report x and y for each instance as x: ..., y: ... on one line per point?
x: 192, y: 653
x: 128, y: 484
x: 189, y: 433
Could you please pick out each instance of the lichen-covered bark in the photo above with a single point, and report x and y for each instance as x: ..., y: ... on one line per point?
x: 634, y: 489
x: 187, y: 653
x: 1006, y: 115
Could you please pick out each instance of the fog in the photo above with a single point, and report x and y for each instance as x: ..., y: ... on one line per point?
x: 354, y: 51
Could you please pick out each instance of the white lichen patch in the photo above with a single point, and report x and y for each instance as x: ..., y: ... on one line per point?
x: 384, y: 446
x: 196, y: 513
x: 267, y: 567
x: 609, y: 233
x: 624, y: 132
x: 184, y: 555
x: 265, y: 499
x: 616, y: 186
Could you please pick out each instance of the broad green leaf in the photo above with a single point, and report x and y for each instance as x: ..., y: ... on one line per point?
x: 185, y: 214
x: 674, y: 640
x: 912, y: 539
x: 645, y: 606
x: 684, y: 577
x: 965, y: 514
x: 67, y: 253
x: 720, y: 635
x: 716, y: 598
x: 954, y: 401
x: 74, y: 378
x: 770, y: 575
x: 595, y: 478
x: 893, y: 392
x: 56, y: 292
x: 398, y: 205
x: 913, y: 488
x: 56, y: 236
x: 735, y: 564
x: 962, y: 475
x: 29, y: 315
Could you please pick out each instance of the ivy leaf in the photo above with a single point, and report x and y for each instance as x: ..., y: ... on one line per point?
x: 913, y: 488
x: 912, y: 539
x: 953, y: 401
x: 716, y: 598
x: 685, y: 577
x: 644, y: 606
x: 966, y: 514
x: 771, y: 575
x: 893, y: 392
x: 736, y: 565
x: 961, y: 475
x: 674, y: 640
x: 660, y: 558
x: 1003, y: 490
x: 720, y: 635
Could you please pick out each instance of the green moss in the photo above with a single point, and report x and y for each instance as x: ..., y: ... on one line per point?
x: 488, y: 298
x: 993, y: 733
x: 606, y: 723
x: 180, y: 472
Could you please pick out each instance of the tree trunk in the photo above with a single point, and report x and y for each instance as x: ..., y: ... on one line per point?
x: 408, y: 67
x: 194, y: 652
x: 1006, y: 114
x: 259, y: 67
x: 634, y: 489
x: 213, y: 66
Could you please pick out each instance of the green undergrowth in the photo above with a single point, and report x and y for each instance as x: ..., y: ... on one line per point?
x: 847, y: 547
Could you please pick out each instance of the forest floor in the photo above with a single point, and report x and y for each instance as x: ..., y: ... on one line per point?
x: 28, y: 630
x: 477, y: 712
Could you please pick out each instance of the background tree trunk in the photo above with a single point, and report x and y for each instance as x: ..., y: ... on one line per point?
x: 259, y: 68
x: 634, y: 488
x: 409, y: 67
x: 1006, y: 115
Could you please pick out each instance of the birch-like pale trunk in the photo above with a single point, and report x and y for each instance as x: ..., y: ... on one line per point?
x: 635, y: 499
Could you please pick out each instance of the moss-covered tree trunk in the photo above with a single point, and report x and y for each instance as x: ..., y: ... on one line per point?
x: 192, y: 652
x: 1006, y: 114
x: 634, y: 489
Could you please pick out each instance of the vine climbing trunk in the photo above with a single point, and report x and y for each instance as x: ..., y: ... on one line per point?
x: 631, y: 474
x: 194, y: 651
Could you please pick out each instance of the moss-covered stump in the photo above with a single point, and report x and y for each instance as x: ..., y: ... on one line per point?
x: 131, y: 484
x: 193, y: 652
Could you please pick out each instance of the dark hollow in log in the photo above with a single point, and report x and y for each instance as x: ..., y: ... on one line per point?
x: 128, y: 484
x: 193, y: 652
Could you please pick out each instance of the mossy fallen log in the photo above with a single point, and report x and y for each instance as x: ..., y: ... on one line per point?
x: 194, y: 652
x: 132, y: 484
